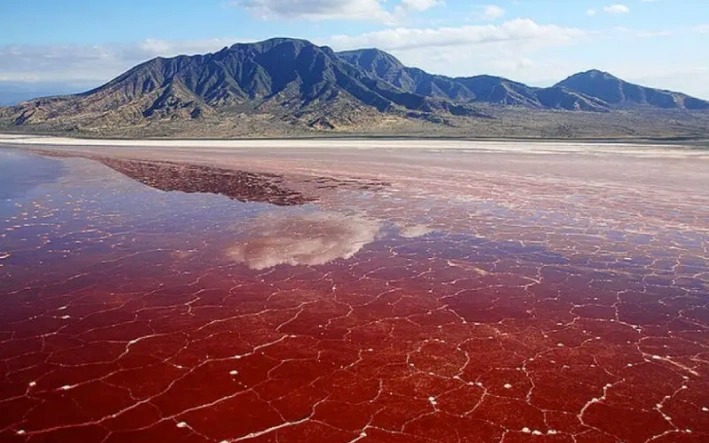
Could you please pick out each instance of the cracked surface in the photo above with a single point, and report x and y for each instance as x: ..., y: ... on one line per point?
x: 474, y: 297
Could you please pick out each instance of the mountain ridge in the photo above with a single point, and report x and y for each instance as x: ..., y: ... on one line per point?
x: 293, y: 83
x: 620, y: 93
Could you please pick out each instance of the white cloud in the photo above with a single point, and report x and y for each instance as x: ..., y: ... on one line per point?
x: 317, y: 9
x: 591, y: 12
x: 492, y: 12
x: 616, y: 9
x: 418, y: 5
x: 521, y: 31
x: 641, y: 33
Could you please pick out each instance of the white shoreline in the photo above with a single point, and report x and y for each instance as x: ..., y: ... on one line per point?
x: 430, y: 145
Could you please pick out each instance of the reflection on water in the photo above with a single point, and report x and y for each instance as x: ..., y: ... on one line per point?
x: 240, y: 185
x: 21, y: 172
x: 413, y: 231
x: 303, y: 238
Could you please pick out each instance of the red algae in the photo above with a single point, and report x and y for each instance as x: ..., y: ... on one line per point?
x: 490, y: 314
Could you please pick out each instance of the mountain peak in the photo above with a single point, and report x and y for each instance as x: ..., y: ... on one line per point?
x: 595, y: 73
x: 271, y: 43
x: 368, y: 58
x: 274, y: 41
x: 621, y: 94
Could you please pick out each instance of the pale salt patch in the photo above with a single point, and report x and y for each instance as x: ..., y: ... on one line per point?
x: 535, y: 432
x: 65, y: 317
x: 181, y: 424
x: 432, y: 400
x: 630, y: 365
x: 233, y: 372
x: 561, y: 345
x: 20, y: 432
x: 362, y: 434
x: 656, y: 357
x: 526, y: 430
x: 508, y: 386
x: 551, y: 432
x: 33, y: 384
x: 66, y: 387
x: 705, y: 409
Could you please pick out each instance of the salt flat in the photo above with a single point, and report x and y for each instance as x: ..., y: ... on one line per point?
x: 527, y: 146
x: 346, y: 290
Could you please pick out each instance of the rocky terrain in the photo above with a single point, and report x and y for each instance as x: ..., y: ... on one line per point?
x: 289, y: 87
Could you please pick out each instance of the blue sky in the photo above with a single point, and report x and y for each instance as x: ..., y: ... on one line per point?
x: 81, y: 43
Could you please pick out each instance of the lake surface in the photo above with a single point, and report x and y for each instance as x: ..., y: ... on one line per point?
x: 412, y: 297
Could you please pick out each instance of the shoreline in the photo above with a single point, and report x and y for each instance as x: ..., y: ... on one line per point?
x: 414, y: 144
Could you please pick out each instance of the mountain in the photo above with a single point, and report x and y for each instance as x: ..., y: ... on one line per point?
x: 588, y: 91
x: 481, y: 88
x: 284, y: 86
x: 621, y: 94
x: 385, y: 67
x: 289, y: 77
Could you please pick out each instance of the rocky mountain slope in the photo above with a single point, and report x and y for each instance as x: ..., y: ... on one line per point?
x: 281, y: 84
x: 621, y: 94
x: 292, y: 78
x: 481, y: 88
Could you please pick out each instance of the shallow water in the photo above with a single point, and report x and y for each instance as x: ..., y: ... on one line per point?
x: 134, y: 314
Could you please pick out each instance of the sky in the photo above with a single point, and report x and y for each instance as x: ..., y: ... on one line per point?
x: 70, y: 45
